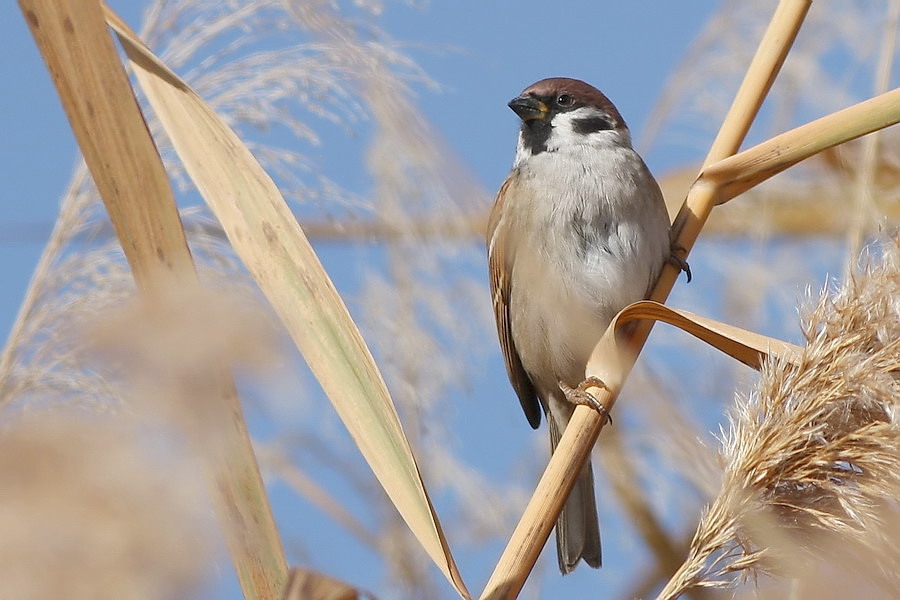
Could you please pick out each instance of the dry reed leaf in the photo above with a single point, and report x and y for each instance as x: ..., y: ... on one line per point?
x: 309, y: 585
x: 125, y: 165
x: 812, y: 458
x: 748, y: 347
x: 271, y: 244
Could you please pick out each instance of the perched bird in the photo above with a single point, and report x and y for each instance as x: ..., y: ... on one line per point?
x: 578, y: 231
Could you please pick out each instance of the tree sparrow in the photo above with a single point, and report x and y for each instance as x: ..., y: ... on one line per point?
x: 578, y: 230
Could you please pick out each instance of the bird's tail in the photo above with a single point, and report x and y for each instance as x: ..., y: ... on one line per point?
x: 577, y: 529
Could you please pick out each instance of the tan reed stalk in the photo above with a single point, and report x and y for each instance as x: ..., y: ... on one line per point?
x: 537, y: 521
x: 741, y: 172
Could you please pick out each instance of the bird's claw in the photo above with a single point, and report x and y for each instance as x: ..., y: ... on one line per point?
x: 580, y: 395
x: 679, y: 263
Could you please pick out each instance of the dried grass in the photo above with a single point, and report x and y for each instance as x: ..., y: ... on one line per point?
x: 812, y: 457
x: 97, y: 509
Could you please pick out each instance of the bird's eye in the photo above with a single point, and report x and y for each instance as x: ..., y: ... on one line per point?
x: 565, y: 100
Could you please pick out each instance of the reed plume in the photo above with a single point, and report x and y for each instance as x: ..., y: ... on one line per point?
x: 812, y: 457
x: 94, y: 507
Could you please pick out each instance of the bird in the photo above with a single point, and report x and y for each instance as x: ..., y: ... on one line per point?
x: 578, y: 230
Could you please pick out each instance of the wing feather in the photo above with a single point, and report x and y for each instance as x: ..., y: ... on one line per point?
x: 499, y: 266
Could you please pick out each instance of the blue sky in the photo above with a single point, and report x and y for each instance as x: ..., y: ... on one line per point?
x: 495, y: 50
x: 621, y: 47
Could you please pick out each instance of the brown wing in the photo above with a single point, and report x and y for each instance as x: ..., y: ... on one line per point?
x: 500, y: 289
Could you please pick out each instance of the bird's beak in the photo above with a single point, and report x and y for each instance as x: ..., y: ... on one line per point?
x: 529, y: 108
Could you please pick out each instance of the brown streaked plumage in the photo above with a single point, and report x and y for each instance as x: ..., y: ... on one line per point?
x: 500, y: 294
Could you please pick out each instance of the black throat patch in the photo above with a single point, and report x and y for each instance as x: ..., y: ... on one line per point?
x: 535, y: 134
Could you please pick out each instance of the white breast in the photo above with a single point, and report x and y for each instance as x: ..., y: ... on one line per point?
x: 591, y: 244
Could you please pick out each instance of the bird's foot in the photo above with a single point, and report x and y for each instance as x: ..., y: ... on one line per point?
x: 580, y: 395
x: 679, y: 263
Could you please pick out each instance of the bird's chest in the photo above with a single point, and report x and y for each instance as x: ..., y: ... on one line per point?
x: 577, y: 265
x: 584, y: 241
x: 576, y: 273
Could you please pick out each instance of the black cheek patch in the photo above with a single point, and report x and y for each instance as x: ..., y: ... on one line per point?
x: 535, y: 134
x: 591, y: 125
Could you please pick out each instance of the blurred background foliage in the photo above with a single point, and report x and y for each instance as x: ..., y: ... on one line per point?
x: 393, y: 187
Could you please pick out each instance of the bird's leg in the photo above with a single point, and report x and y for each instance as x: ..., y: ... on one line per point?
x: 679, y: 263
x: 580, y: 395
